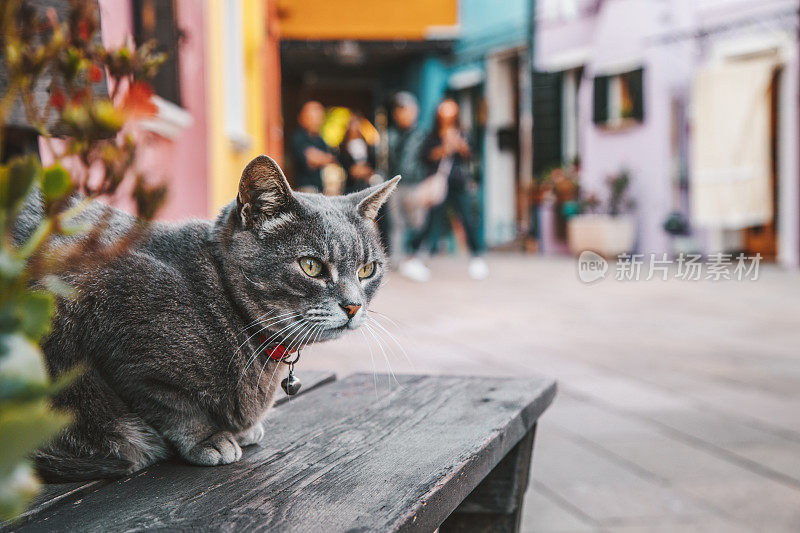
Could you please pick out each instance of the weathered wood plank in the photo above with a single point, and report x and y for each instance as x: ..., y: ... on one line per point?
x: 311, y: 380
x: 335, y: 459
x: 58, y: 493
x: 496, y: 504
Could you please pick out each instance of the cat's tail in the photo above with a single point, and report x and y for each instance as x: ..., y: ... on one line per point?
x: 54, y: 466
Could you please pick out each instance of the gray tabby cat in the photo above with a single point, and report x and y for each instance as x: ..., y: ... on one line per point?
x: 176, y: 333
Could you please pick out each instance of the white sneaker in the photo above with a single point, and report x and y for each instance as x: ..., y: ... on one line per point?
x: 414, y: 269
x: 478, y: 269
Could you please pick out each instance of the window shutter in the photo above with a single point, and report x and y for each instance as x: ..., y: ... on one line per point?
x: 156, y: 19
x: 636, y: 87
x: 546, y: 121
x: 600, y: 111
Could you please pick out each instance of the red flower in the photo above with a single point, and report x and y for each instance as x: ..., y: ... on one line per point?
x: 57, y: 98
x: 80, y: 96
x: 137, y: 101
x: 95, y: 73
x: 83, y: 30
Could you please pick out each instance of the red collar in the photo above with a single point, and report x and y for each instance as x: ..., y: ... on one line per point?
x: 277, y: 352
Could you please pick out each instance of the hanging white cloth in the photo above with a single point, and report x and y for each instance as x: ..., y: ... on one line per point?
x: 731, y: 174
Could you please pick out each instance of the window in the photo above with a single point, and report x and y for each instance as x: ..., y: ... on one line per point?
x: 619, y: 98
x: 556, y: 131
x: 156, y: 19
x: 234, y: 76
x: 547, y: 137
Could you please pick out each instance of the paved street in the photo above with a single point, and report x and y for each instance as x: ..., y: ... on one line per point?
x: 678, y: 404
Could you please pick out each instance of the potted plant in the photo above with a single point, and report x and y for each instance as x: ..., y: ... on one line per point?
x: 81, y: 127
x: 610, y: 233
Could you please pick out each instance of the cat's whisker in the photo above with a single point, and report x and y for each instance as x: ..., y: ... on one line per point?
x: 393, y: 338
x: 371, y: 358
x: 316, y: 335
x: 259, y: 319
x: 319, y: 333
x: 385, y: 344
x: 299, y: 326
x: 302, y: 323
x: 386, y: 317
x: 266, y: 326
x: 264, y: 344
x: 312, y: 330
x: 380, y: 345
x: 302, y: 337
x: 267, y: 316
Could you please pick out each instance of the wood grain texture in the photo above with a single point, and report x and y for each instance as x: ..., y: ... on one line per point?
x: 495, y: 506
x: 335, y: 459
x: 53, y: 494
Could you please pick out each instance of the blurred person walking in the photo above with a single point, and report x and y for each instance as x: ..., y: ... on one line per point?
x: 357, y: 158
x: 445, y: 154
x: 404, y: 140
x: 309, y: 151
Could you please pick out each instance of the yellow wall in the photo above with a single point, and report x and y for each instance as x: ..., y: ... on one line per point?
x: 226, y: 161
x: 364, y: 19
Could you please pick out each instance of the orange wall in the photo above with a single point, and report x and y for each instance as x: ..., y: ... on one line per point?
x: 364, y: 19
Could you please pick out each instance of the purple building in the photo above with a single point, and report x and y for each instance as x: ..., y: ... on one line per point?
x: 696, y: 99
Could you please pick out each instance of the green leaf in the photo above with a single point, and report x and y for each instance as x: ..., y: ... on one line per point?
x: 23, y: 428
x: 10, y: 267
x: 56, y: 183
x: 16, y: 490
x: 22, y: 359
x: 16, y: 181
x: 58, y: 286
x: 18, y: 389
x: 33, y: 310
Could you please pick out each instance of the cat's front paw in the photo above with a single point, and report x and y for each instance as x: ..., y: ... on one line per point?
x: 218, y: 449
x: 251, y: 435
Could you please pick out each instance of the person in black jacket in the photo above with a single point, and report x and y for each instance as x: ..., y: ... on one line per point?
x: 357, y: 158
x: 446, y: 147
x: 309, y: 151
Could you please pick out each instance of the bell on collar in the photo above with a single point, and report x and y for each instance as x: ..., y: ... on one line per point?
x: 291, y: 384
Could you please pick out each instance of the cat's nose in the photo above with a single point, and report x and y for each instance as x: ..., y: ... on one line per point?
x: 350, y: 308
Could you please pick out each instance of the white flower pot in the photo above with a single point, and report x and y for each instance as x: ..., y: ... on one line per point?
x: 607, y: 235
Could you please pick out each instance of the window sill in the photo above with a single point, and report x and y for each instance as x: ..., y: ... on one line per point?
x: 170, y: 120
x: 618, y: 126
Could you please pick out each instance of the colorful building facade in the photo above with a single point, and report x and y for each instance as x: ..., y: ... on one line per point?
x: 218, y: 96
x: 664, y: 58
x: 345, y: 54
x: 176, y: 148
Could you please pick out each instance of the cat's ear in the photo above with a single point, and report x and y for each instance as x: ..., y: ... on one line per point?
x: 369, y: 201
x: 263, y: 190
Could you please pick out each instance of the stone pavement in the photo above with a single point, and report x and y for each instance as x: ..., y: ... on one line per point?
x: 679, y: 401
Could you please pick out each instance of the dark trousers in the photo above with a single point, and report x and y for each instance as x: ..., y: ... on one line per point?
x: 460, y: 202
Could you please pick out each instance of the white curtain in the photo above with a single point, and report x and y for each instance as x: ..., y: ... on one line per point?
x: 731, y: 175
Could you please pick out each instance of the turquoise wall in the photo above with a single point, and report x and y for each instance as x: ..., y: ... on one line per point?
x: 491, y: 25
x: 486, y: 26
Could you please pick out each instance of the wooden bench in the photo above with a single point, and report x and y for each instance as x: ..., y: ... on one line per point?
x: 435, y: 451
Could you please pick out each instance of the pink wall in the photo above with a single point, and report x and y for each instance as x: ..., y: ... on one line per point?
x: 181, y: 161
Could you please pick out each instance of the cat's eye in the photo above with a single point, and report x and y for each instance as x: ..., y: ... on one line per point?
x: 311, y: 266
x: 366, y: 271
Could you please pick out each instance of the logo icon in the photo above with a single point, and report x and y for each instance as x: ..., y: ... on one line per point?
x: 591, y: 267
